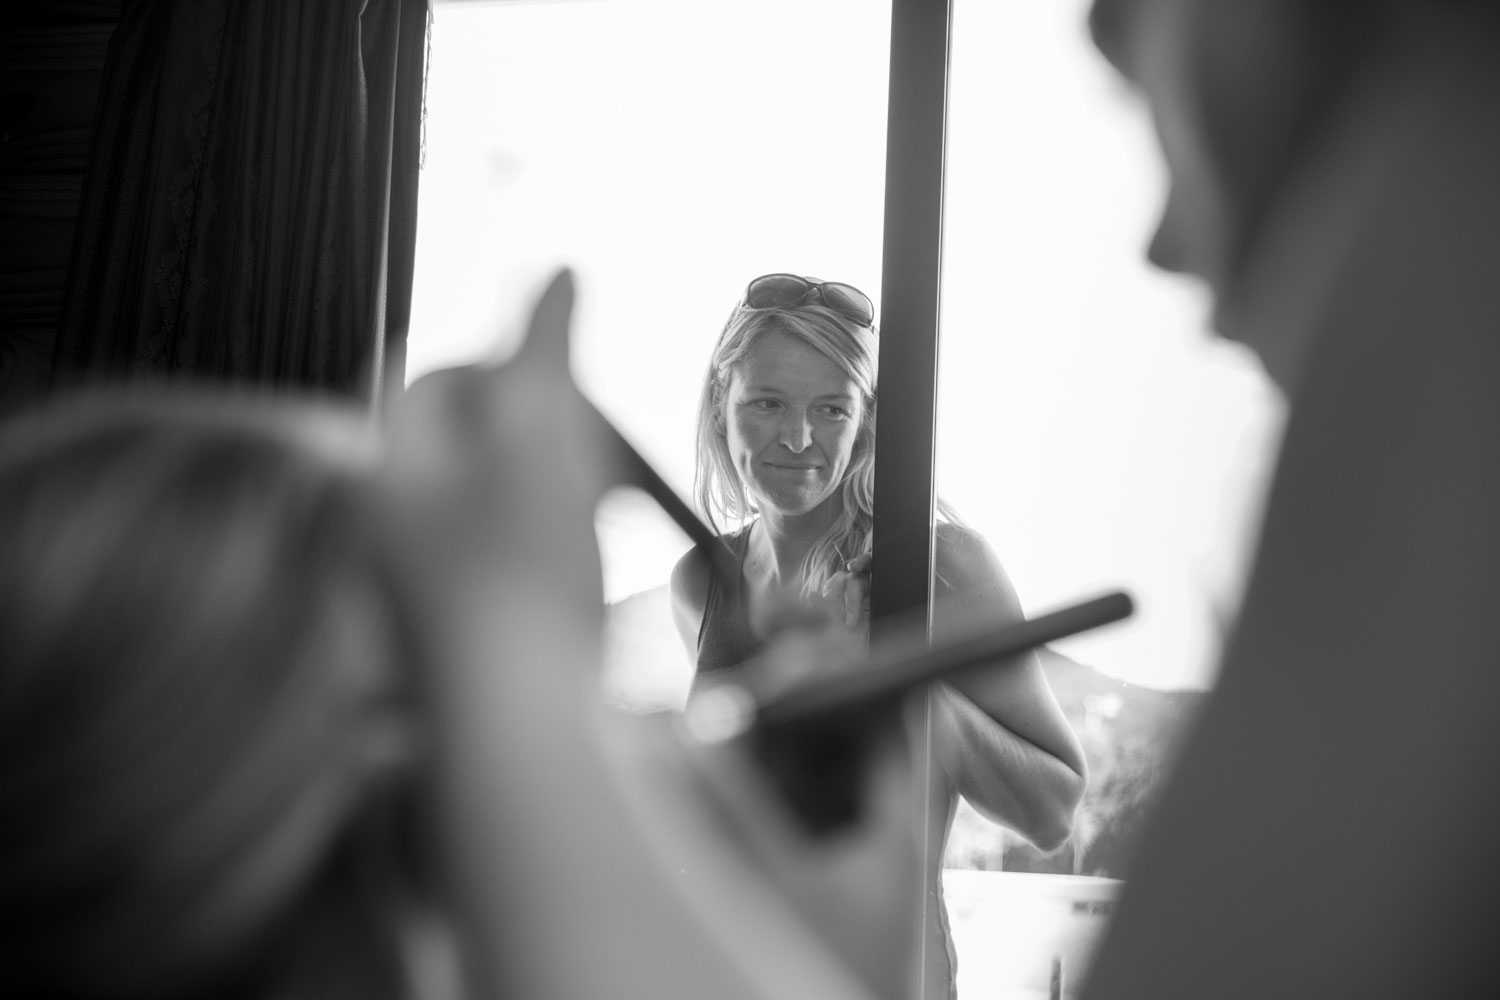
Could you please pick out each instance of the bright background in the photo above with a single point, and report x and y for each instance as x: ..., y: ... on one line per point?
x: 669, y: 150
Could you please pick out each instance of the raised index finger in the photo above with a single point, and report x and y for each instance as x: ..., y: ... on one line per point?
x: 546, y: 345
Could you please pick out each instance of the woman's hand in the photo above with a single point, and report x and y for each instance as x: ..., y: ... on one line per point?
x: 492, y: 476
x: 849, y: 591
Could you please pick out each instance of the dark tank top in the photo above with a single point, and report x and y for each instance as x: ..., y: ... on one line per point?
x: 724, y: 637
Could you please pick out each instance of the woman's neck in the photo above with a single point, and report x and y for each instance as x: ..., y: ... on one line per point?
x: 779, y: 543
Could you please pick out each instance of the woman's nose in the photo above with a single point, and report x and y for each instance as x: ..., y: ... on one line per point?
x: 796, y: 432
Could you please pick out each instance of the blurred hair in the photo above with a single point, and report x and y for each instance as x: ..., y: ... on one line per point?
x: 717, y: 485
x: 205, y: 737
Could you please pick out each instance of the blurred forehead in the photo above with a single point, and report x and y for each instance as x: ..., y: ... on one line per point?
x: 1110, y: 24
x: 1134, y: 34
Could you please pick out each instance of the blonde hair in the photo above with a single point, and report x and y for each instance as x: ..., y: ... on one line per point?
x: 716, y: 484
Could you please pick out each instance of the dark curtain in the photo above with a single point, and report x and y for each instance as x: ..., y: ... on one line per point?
x: 249, y: 208
x: 51, y: 62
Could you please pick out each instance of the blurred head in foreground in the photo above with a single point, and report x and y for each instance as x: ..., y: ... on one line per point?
x: 204, y: 736
x: 1333, y: 167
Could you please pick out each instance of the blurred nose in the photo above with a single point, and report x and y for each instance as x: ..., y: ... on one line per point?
x: 796, y: 432
x: 1165, y: 249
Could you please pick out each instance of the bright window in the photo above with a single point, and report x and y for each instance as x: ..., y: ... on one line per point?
x: 669, y: 150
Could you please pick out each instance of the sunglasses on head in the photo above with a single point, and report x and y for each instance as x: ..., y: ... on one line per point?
x: 779, y: 291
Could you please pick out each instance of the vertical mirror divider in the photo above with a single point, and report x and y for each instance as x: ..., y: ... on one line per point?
x: 910, y: 291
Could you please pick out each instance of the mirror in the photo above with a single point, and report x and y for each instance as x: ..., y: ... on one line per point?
x: 670, y: 150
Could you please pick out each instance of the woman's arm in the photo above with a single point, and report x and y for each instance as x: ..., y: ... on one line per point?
x: 1000, y: 733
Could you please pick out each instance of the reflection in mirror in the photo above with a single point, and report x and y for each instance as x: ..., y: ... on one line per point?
x: 669, y: 151
x: 1097, y: 437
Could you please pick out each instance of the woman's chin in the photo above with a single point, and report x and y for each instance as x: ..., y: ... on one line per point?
x: 783, y: 504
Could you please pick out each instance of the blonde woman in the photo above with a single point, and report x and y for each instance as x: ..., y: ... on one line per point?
x: 786, y: 440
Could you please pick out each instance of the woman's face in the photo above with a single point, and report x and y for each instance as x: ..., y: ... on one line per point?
x: 790, y: 416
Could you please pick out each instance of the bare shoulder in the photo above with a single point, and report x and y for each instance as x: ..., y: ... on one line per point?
x: 964, y: 557
x: 970, y: 577
x: 689, y: 583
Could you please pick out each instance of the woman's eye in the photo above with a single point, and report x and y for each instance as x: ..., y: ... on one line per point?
x: 837, y: 412
x: 764, y: 404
